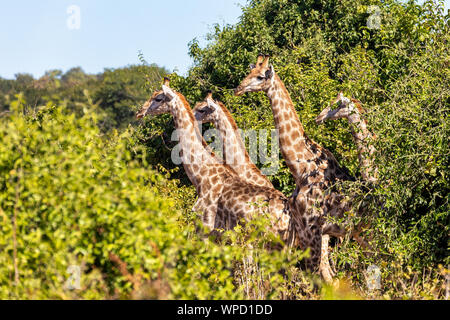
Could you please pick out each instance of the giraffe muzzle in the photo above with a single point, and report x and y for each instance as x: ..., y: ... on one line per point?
x: 238, y: 91
x: 325, y: 115
x: 140, y: 114
x: 143, y: 111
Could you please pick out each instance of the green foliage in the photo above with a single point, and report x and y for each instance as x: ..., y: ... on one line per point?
x: 122, y: 90
x: 69, y: 197
x: 400, y: 73
x: 117, y: 92
x: 75, y: 191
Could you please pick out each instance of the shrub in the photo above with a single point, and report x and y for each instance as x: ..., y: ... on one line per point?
x: 400, y: 73
x: 72, y: 197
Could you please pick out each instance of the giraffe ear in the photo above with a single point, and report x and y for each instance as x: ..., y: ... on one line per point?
x: 343, y: 100
x: 336, y: 100
x: 252, y: 66
x: 260, y: 59
x: 211, y: 102
x: 269, y: 72
x: 358, y: 105
x: 265, y: 63
x: 166, y: 81
x: 355, y: 101
x: 168, y: 92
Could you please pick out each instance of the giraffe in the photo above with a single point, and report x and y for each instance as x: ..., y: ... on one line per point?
x: 234, y: 152
x: 314, y: 168
x: 352, y: 110
x: 223, y: 197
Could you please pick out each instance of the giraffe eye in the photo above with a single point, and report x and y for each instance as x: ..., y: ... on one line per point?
x: 260, y: 78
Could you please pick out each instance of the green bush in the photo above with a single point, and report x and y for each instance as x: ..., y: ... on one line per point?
x: 115, y: 91
x: 71, y: 197
x: 76, y: 192
x: 400, y: 73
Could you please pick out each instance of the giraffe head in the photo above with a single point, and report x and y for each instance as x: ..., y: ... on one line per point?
x: 207, y: 110
x: 259, y: 78
x: 346, y: 108
x: 159, y: 102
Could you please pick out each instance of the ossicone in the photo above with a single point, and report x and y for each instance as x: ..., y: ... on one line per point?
x: 260, y: 59
x: 166, y: 81
x: 265, y: 62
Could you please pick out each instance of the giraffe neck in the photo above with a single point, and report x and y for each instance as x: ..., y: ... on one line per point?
x: 294, y: 143
x: 363, y: 138
x: 235, y: 154
x: 194, y: 154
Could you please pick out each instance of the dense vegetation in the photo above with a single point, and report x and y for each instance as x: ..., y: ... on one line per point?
x: 82, y: 183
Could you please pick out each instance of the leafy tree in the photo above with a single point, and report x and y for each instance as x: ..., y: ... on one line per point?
x: 117, y: 91
x: 76, y: 191
x: 72, y: 200
x: 122, y: 90
x: 399, y: 69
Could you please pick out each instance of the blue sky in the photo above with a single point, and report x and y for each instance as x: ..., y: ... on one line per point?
x: 35, y: 36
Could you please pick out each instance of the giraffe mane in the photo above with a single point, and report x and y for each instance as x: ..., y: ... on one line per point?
x: 228, y: 115
x: 358, y: 105
x: 361, y: 110
x: 310, y: 144
x: 186, y: 105
x: 235, y: 128
x: 192, y: 118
